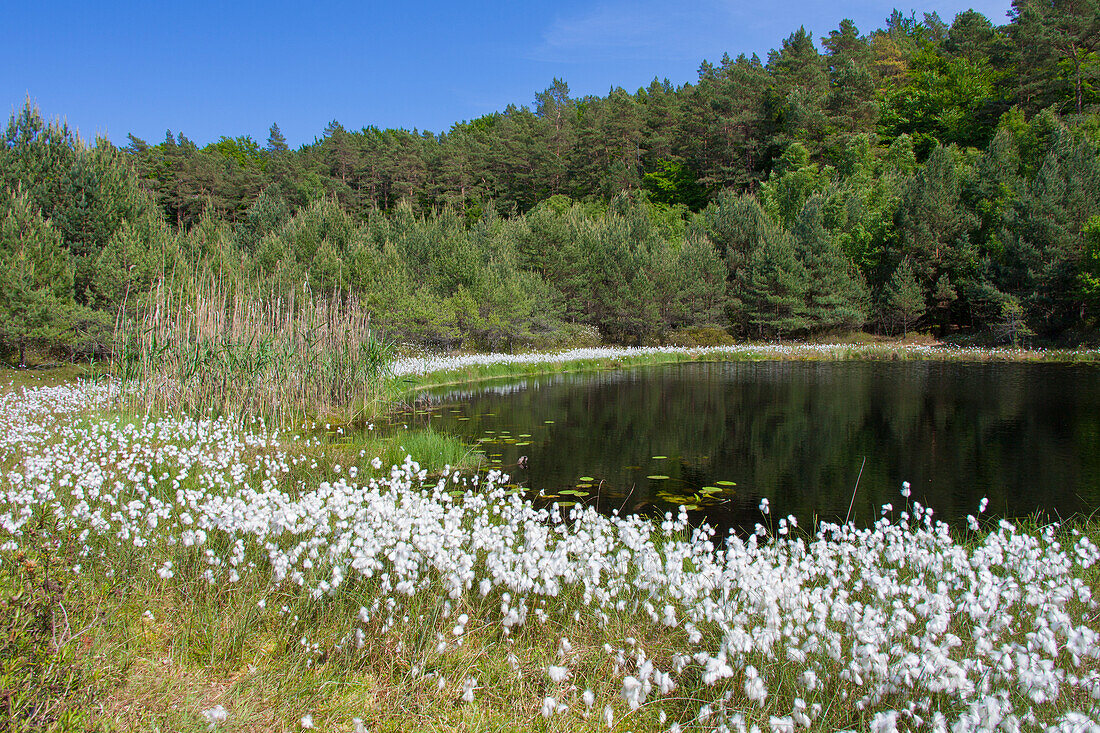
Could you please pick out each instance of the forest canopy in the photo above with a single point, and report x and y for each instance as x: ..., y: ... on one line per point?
x: 926, y: 174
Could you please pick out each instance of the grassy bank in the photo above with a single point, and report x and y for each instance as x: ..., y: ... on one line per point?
x: 416, y: 373
x: 193, y: 575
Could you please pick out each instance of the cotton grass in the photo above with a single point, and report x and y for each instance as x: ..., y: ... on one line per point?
x: 900, y: 625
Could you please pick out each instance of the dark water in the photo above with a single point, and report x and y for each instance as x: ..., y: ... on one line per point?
x: 1027, y: 436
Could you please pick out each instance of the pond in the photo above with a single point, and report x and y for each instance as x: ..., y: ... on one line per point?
x: 719, y: 437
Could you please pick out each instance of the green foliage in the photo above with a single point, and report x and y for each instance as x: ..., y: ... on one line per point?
x: 1090, y: 266
x: 1012, y: 326
x: 904, y: 302
x: 244, y: 151
x: 36, y: 281
x: 771, y: 288
x: 836, y: 294
x: 673, y: 183
x: 793, y: 181
x: 933, y: 142
x: 44, y: 686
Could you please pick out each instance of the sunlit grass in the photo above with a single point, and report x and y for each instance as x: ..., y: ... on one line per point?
x: 217, y: 562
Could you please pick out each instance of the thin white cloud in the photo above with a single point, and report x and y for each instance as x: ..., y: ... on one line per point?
x: 625, y: 30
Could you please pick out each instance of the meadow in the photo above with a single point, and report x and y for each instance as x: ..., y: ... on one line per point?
x: 175, y: 570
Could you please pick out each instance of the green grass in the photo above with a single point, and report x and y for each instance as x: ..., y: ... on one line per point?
x: 203, y: 647
x: 113, y: 667
x: 875, y: 350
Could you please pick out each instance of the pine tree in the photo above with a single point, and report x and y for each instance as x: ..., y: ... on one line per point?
x: 836, y: 294
x: 36, y: 281
x: 934, y: 224
x: 904, y: 298
x: 276, y: 143
x: 1052, y: 35
x: 770, y: 291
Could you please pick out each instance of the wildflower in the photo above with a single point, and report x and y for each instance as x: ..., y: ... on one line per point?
x: 215, y: 715
x: 468, y: 687
x: 307, y: 721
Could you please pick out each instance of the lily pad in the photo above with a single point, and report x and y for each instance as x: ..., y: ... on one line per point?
x: 586, y: 478
x: 548, y: 422
x: 709, y: 490
x: 659, y: 458
x: 657, y: 477
x: 523, y: 442
x: 725, y: 483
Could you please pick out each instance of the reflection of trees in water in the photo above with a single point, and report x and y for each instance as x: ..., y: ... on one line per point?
x: 1023, y: 435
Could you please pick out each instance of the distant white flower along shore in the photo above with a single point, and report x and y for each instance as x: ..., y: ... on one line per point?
x: 422, y: 365
x: 898, y: 624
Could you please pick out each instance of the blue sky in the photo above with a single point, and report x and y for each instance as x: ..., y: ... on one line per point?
x: 232, y: 68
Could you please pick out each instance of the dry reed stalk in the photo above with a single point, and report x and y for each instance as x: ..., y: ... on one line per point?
x: 212, y: 346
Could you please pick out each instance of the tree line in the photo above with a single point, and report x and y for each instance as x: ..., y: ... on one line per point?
x: 923, y: 175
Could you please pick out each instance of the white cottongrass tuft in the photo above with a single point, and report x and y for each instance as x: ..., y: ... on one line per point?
x: 215, y: 715
x: 858, y: 615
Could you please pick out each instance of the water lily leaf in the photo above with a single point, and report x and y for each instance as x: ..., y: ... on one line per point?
x: 657, y: 477
x: 524, y: 442
x: 725, y: 483
x: 709, y: 490
x: 584, y: 486
x: 586, y: 478
x: 659, y: 458
x: 691, y: 507
x: 548, y: 422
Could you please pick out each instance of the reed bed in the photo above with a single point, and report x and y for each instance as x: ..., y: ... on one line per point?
x: 213, y: 347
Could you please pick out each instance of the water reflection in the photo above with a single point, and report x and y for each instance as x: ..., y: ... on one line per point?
x: 1024, y: 435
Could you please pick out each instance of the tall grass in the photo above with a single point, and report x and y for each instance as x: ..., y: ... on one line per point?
x: 210, y: 346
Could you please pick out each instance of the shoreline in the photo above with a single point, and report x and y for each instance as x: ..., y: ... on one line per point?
x: 426, y: 372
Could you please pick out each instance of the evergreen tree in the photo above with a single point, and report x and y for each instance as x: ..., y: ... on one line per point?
x: 36, y: 280
x: 797, y: 104
x: 836, y: 294
x: 851, y: 103
x: 904, y: 298
x: 736, y: 224
x: 1053, y: 35
x: 276, y: 143
x: 934, y: 224
x: 770, y: 291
